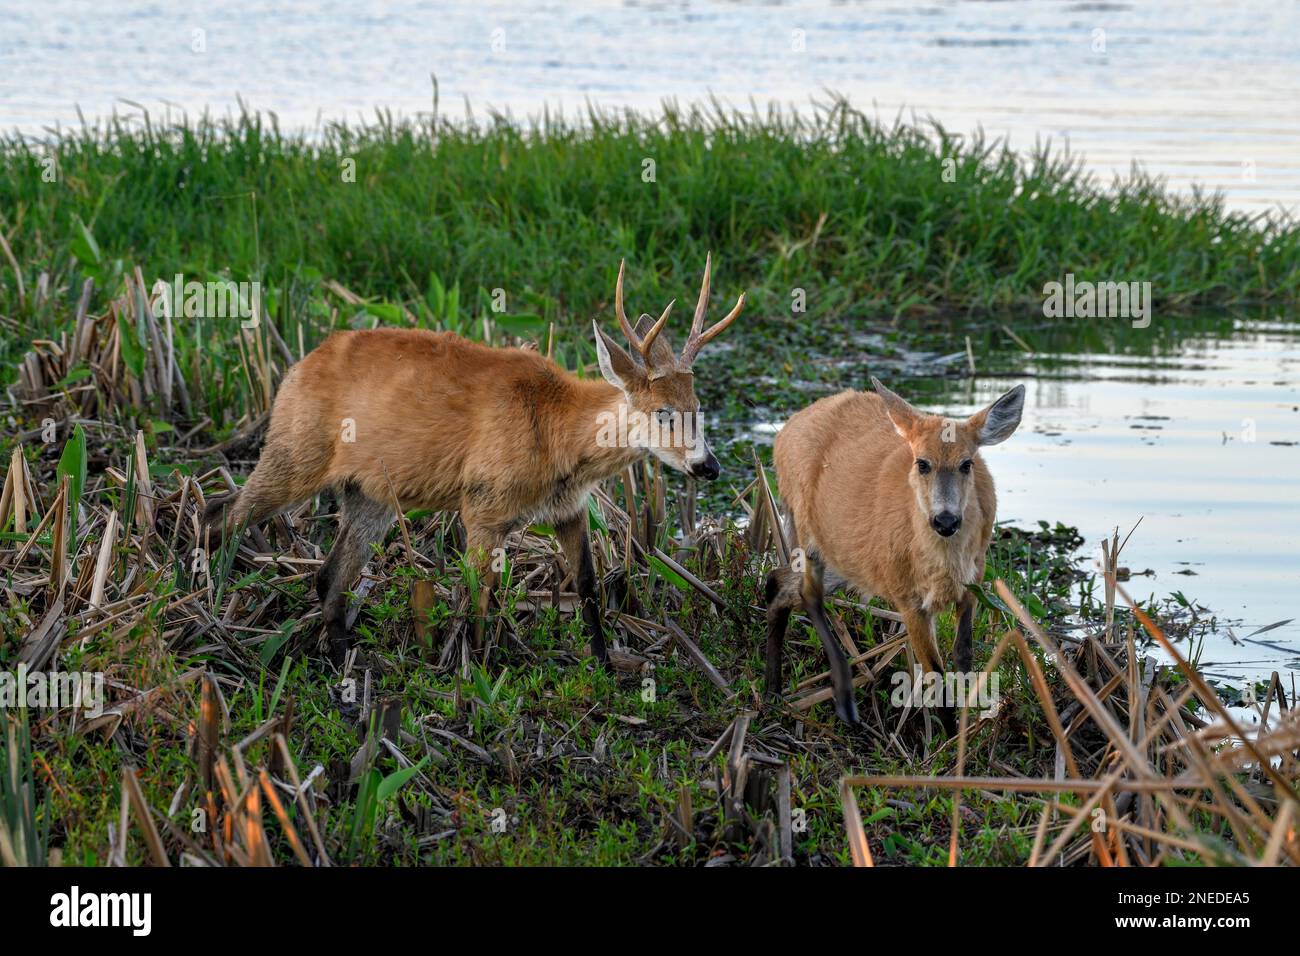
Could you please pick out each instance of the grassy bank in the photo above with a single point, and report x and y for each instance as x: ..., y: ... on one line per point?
x: 865, y: 218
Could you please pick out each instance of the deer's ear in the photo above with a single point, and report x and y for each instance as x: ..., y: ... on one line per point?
x: 616, y: 365
x: 997, y: 422
x: 903, y: 416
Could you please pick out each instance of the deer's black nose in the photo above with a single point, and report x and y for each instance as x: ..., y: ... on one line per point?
x: 708, y: 469
x: 946, y: 523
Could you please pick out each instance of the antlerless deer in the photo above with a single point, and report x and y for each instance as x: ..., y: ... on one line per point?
x: 416, y: 419
x: 892, y: 502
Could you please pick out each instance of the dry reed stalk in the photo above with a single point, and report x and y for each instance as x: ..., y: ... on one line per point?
x: 1154, y: 729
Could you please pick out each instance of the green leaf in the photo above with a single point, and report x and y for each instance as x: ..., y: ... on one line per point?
x: 132, y: 352
x: 989, y: 601
x: 250, y: 578
x: 73, y: 464
x: 1034, y: 605
x: 85, y: 248
x: 76, y: 375
x: 385, y: 311
x: 393, y: 782
x: 284, y: 673
x: 271, y: 646
x: 452, y: 309
x: 669, y: 573
x: 595, y: 520
x: 521, y: 325
x: 73, y: 461
x: 436, y: 296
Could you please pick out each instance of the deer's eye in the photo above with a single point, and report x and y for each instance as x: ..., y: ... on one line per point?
x: 965, y: 467
x: 922, y: 466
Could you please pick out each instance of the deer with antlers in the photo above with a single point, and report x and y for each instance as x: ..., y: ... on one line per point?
x: 407, y: 418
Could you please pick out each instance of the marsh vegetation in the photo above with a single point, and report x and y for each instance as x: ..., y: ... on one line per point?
x: 430, y: 749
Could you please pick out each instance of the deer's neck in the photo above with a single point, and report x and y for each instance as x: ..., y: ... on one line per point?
x: 598, y: 430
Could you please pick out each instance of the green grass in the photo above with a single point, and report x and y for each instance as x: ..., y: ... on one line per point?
x: 860, y: 216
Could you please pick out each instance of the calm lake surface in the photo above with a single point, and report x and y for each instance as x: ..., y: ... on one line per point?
x: 1205, y: 91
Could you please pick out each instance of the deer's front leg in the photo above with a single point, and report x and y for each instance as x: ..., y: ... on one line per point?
x: 572, y: 533
x: 920, y: 634
x: 482, y: 549
x: 961, y: 648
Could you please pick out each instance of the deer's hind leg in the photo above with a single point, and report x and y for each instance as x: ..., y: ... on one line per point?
x: 279, y: 482
x: 783, y: 594
x: 364, y: 522
x: 813, y: 583
x: 576, y: 543
x: 787, y: 590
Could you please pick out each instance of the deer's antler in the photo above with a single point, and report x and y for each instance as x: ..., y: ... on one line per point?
x: 642, y: 345
x: 699, y: 338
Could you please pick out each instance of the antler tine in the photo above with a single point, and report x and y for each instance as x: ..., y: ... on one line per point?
x: 699, y: 338
x: 719, y: 327
x: 701, y: 306
x: 642, y: 345
x: 618, y: 306
x: 655, y: 330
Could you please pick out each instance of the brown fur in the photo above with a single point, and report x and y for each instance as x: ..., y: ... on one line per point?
x: 505, y: 436
x: 861, y: 509
x: 452, y: 424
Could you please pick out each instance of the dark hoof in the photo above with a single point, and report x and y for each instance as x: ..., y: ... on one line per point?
x: 338, y: 650
x: 598, y: 647
x: 948, y: 717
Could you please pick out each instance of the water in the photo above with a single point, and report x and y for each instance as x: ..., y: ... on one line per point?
x: 1204, y: 92
x: 1197, y: 434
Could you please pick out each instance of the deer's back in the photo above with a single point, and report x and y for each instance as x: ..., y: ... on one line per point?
x: 427, y: 411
